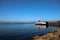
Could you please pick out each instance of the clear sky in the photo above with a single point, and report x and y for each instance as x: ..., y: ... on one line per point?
x: 29, y: 10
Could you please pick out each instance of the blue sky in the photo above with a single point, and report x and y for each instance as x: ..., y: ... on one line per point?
x: 29, y: 10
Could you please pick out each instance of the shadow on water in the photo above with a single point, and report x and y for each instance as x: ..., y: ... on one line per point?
x: 42, y: 26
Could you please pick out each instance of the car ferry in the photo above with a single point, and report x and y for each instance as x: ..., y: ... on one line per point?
x: 40, y: 23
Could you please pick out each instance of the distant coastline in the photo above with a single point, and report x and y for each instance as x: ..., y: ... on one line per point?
x: 54, y: 23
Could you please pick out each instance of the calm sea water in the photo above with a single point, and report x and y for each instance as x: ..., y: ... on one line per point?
x: 16, y: 31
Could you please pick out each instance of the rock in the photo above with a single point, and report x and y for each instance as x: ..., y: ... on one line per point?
x: 54, y: 35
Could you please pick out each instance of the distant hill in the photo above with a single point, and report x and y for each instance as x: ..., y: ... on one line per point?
x: 18, y: 22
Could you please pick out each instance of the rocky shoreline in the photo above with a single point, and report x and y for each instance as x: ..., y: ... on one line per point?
x: 54, y: 35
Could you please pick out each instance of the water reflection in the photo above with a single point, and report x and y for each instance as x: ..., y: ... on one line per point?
x: 41, y: 26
